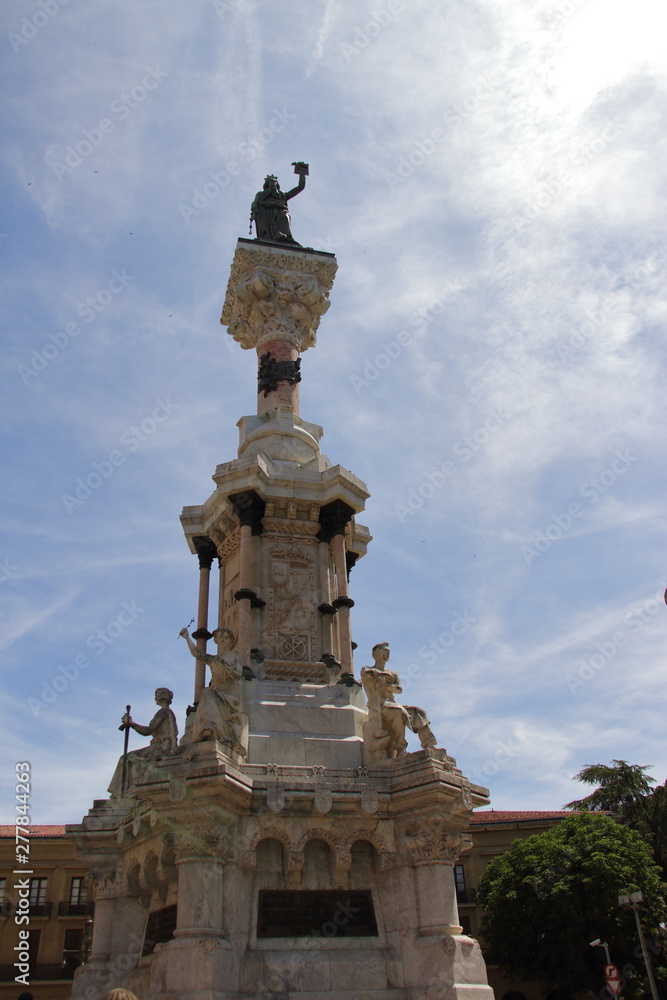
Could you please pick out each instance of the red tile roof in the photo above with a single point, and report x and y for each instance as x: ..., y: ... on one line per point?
x: 513, y: 816
x: 34, y: 831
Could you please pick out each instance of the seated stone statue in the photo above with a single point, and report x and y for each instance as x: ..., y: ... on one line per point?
x: 164, y: 732
x: 219, y: 711
x: 384, y: 733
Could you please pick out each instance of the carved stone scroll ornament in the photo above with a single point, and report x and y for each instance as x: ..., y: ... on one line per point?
x: 278, y: 305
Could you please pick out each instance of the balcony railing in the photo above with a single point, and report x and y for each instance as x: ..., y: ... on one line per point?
x: 40, y: 909
x: 41, y: 971
x: 66, y: 909
x: 466, y: 897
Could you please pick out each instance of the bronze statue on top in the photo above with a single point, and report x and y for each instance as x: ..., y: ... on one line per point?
x: 269, y: 208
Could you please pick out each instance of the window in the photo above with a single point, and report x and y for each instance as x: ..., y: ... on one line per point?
x: 460, y: 882
x: 5, y: 905
x: 37, y: 892
x: 37, y: 898
x: 72, y: 951
x: 78, y: 893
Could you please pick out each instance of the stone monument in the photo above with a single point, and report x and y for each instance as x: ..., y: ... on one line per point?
x: 290, y: 845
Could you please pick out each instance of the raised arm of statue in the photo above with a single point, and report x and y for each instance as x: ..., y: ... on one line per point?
x: 197, y: 653
x: 302, y: 170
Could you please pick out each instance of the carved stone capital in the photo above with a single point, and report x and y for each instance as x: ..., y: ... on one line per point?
x: 428, y: 843
x: 205, y: 549
x: 334, y: 518
x: 249, y: 508
x: 281, y: 299
x: 104, y: 876
x: 205, y: 840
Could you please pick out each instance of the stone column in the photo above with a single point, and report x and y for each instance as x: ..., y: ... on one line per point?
x: 275, y: 299
x: 200, y: 897
x: 206, y: 552
x: 102, y: 931
x: 434, y: 851
x: 326, y: 609
x: 334, y: 517
x: 249, y: 508
x: 436, y: 892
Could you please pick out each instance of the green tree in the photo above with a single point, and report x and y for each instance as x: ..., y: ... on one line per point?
x: 549, y: 896
x: 622, y: 788
x: 625, y: 790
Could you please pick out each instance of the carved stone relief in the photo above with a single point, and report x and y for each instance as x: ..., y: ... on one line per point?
x: 291, y: 606
x: 267, y: 302
x: 429, y: 842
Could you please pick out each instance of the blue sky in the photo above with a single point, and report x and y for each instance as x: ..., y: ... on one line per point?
x: 491, y: 180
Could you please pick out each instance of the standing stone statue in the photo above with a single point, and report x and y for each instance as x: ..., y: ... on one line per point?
x: 269, y: 208
x: 164, y: 732
x: 384, y: 733
x: 219, y: 711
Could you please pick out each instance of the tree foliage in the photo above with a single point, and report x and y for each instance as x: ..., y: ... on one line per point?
x: 549, y: 896
x: 622, y: 787
x: 625, y: 790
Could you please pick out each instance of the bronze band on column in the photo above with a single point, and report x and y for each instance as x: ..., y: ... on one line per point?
x: 278, y: 376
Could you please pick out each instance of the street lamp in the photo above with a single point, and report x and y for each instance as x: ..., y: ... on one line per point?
x: 633, y: 899
x: 602, y: 944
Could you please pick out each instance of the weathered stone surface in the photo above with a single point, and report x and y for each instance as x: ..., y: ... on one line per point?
x: 295, y: 791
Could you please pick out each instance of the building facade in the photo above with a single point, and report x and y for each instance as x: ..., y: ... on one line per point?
x: 59, y: 912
